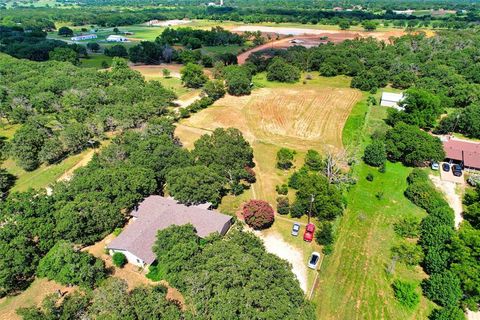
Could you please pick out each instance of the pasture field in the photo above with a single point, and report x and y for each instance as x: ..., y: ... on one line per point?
x: 297, y: 116
x: 325, y: 114
x: 95, y: 61
x: 354, y: 282
x: 355, y: 275
x: 154, y: 72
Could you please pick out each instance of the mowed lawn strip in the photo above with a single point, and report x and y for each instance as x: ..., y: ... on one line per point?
x: 354, y: 283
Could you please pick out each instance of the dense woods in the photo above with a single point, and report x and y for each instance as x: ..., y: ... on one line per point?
x: 450, y: 258
x: 64, y: 109
x: 61, y: 110
x: 257, y: 285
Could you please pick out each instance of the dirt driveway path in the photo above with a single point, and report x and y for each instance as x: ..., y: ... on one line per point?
x: 279, y: 247
x: 453, y: 194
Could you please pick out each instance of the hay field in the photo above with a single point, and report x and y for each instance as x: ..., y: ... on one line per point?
x: 299, y: 117
x: 293, y: 117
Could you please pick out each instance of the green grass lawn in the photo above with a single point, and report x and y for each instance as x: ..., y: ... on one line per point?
x: 43, y: 176
x: 213, y: 51
x: 95, y: 61
x: 260, y: 81
x: 354, y: 283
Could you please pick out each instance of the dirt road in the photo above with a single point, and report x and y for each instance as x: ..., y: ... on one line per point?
x: 309, y: 37
x: 279, y: 247
x: 453, y: 194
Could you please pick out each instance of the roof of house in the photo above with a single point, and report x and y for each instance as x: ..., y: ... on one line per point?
x: 390, y: 96
x: 157, y: 213
x: 471, y: 152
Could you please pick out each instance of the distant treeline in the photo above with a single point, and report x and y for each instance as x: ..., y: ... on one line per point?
x: 304, y: 4
x: 113, y: 16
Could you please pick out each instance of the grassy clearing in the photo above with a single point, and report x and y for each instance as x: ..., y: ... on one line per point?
x: 33, y: 296
x: 43, y: 176
x: 8, y: 130
x: 354, y: 276
x: 213, y: 51
x: 95, y: 61
x: 260, y: 81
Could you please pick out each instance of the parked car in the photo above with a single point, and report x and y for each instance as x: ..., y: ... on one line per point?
x: 295, y: 229
x: 457, y: 170
x: 309, y: 232
x: 435, y: 166
x: 314, y: 260
x: 446, y: 167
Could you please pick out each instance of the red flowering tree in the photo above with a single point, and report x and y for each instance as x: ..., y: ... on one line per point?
x: 258, y: 214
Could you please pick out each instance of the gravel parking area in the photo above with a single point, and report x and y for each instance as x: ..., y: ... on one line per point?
x: 448, y: 176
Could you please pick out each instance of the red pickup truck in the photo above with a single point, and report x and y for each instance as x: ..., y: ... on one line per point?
x: 309, y: 232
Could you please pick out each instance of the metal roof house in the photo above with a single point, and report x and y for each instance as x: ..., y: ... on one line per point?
x: 390, y: 99
x: 157, y: 213
x: 84, y: 37
x: 463, y: 151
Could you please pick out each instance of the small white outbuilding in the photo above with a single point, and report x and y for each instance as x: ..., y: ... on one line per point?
x: 390, y: 99
x: 116, y: 38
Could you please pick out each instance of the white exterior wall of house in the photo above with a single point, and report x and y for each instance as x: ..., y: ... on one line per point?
x: 133, y: 259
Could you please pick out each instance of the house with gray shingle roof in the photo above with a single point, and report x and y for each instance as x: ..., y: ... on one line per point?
x: 157, y: 213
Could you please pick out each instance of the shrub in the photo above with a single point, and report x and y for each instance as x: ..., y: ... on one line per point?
x: 285, y: 158
x: 370, y: 177
x: 324, y: 234
x: 193, y: 76
x: 313, y: 160
x: 447, y: 313
x: 119, y: 259
x: 407, y: 227
x: 436, y: 259
x: 67, y: 265
x: 258, y: 214
x: 422, y: 192
x: 375, y: 154
x: 405, y: 293
x: 279, y: 70
x: 443, y: 288
x: 215, y: 89
x: 283, y: 205
x: 238, y: 80
x: 282, y: 189
x: 408, y: 253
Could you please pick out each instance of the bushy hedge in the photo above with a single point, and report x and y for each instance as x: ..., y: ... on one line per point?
x: 436, y: 234
x: 422, y: 192
x: 119, y: 259
x: 258, y: 214
x: 405, y: 293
